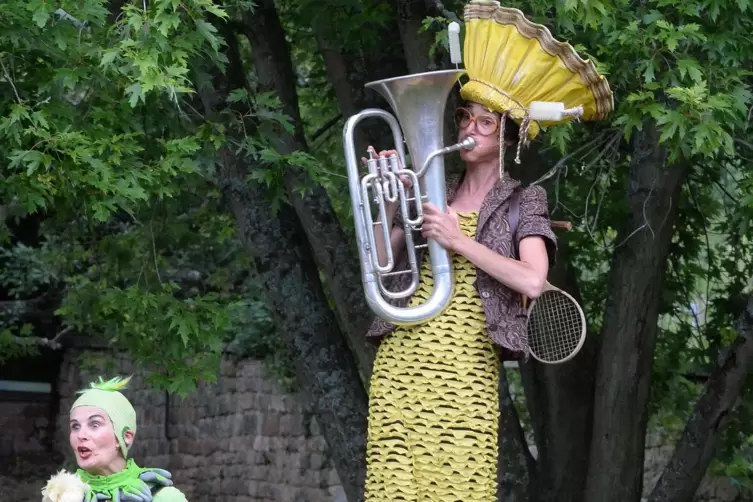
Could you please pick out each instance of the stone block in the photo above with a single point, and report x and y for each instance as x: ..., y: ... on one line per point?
x: 245, y: 401
x: 251, y: 423
x: 272, y: 425
x: 317, y: 461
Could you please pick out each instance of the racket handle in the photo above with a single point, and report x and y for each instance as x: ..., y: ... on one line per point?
x: 524, y: 299
x: 566, y: 225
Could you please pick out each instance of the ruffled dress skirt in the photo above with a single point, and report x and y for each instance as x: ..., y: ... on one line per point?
x: 433, y: 404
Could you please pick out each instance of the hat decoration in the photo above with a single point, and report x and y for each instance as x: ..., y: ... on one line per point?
x: 517, y: 68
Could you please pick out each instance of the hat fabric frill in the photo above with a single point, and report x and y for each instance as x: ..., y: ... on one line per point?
x: 106, y: 396
x: 512, y: 62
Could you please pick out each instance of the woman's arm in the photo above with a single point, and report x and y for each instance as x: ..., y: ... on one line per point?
x: 526, y: 276
x: 536, y: 244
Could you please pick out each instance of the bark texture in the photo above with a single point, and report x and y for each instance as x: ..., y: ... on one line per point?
x: 696, y: 447
x: 516, y: 464
x: 560, y: 403
x: 623, y: 374
x: 416, y: 45
x: 324, y: 365
x: 331, y: 245
x: 559, y: 398
x: 352, y: 64
x: 286, y: 268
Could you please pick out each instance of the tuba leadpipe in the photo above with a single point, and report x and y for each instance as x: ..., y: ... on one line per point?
x: 418, y: 101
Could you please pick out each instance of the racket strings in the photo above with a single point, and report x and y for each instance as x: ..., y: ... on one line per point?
x: 555, y: 326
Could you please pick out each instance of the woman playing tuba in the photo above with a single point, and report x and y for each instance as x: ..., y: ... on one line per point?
x: 433, y: 411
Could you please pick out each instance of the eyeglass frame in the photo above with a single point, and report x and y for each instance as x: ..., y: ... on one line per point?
x: 473, y: 120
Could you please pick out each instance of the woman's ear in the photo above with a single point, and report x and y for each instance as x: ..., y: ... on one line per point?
x: 128, y: 436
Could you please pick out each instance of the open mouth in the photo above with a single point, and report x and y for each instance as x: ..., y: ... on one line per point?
x: 84, y: 452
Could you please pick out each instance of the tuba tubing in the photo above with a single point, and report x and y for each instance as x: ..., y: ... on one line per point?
x: 418, y: 101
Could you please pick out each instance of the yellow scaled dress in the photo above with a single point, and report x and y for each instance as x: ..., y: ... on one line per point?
x: 433, y: 409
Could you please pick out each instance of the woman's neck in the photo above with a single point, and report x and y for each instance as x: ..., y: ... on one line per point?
x: 480, y: 178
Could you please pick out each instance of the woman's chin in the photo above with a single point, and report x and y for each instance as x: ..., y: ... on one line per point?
x: 87, y: 464
x: 467, y: 156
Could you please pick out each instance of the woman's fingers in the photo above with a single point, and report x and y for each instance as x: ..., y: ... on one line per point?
x: 430, y: 208
x: 407, y: 182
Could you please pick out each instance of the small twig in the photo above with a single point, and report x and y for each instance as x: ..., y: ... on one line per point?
x: 326, y: 127
x: 709, y: 259
x: 611, y: 143
x: 154, y: 252
x: 725, y: 191
x: 41, y: 341
x: 10, y: 81
x: 446, y: 13
x: 561, y: 163
x: 643, y: 209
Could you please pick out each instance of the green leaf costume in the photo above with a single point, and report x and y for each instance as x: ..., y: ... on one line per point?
x: 133, y: 483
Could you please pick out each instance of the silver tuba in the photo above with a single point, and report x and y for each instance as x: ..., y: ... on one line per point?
x: 419, y: 101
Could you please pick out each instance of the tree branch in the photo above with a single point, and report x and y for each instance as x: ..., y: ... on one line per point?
x: 52, y: 343
x: 446, y: 13
x: 695, y: 449
x: 326, y: 127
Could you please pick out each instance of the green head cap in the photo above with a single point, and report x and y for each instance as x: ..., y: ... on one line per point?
x: 106, y: 396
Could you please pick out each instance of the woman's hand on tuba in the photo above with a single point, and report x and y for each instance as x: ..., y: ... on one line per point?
x: 443, y: 227
x: 405, y: 180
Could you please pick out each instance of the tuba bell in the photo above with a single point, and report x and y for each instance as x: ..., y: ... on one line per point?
x: 418, y: 101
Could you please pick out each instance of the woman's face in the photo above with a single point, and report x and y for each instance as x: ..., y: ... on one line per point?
x: 482, y: 125
x: 93, y: 440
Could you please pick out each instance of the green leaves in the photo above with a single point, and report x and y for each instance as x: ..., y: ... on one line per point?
x: 184, y: 336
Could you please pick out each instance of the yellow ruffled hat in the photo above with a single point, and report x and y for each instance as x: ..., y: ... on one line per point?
x: 514, y: 65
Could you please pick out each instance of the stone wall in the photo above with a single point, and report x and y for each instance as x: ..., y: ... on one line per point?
x: 24, y: 427
x: 239, y: 440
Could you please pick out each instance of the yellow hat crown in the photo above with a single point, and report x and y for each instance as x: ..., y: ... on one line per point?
x: 512, y: 62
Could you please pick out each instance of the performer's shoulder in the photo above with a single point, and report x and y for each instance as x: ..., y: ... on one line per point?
x: 169, y: 494
x: 533, y: 193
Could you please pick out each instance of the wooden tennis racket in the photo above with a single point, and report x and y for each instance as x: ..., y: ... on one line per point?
x: 556, y: 322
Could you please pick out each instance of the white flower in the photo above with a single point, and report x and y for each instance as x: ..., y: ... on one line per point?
x: 64, y: 487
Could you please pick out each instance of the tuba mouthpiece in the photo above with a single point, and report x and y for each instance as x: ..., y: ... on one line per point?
x: 468, y: 143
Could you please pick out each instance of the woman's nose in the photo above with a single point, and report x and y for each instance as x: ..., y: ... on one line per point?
x: 471, y: 127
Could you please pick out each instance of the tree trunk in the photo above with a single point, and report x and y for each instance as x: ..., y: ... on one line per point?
x: 350, y: 67
x: 695, y: 449
x: 289, y: 276
x: 416, y: 45
x: 560, y: 403
x: 623, y: 376
x: 559, y: 397
x: 332, y: 247
x: 324, y: 365
x: 516, y: 464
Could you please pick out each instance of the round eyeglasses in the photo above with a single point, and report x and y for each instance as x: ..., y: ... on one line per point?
x: 486, y: 125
